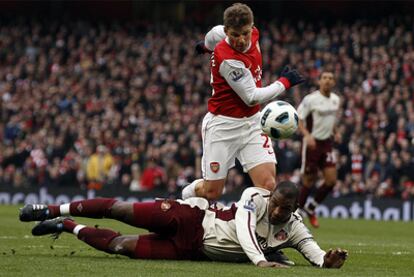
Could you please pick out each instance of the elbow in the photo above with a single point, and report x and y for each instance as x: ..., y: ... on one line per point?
x: 251, y: 102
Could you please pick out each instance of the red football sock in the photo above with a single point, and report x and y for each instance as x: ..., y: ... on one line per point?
x: 322, y: 192
x: 98, y: 238
x: 304, y: 193
x: 69, y: 225
x: 93, y: 208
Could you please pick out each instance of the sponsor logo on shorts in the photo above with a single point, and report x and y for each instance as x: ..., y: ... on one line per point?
x: 281, y: 235
x: 215, y: 166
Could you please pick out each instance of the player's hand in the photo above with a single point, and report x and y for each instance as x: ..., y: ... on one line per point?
x: 335, y: 258
x: 200, y: 48
x: 270, y: 264
x: 310, y: 141
x: 292, y: 75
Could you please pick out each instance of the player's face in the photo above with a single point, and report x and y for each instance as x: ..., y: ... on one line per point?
x: 327, y: 81
x: 280, y: 209
x: 239, y: 38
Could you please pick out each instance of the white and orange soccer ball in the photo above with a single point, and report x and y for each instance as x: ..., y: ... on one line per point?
x: 279, y: 120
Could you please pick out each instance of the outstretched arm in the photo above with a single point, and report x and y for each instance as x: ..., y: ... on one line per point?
x: 241, y: 80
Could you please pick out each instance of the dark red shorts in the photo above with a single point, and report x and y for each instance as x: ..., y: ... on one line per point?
x: 177, y: 230
x: 320, y: 157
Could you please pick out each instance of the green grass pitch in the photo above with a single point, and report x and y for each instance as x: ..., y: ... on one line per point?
x: 375, y: 249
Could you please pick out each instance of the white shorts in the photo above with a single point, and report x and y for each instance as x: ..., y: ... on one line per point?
x: 226, y: 138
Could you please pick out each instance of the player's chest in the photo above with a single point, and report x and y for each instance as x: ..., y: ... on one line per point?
x: 271, y: 236
x: 325, y: 106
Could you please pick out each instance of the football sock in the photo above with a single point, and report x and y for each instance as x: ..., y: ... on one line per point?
x: 93, y: 208
x: 189, y: 190
x: 322, y: 192
x: 304, y: 193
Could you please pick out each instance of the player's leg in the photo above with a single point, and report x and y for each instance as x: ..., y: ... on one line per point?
x: 263, y: 176
x: 220, y: 144
x: 98, y: 238
x: 309, y: 172
x: 327, y: 163
x: 329, y: 175
x: 150, y: 246
x: 92, y: 208
x: 308, y: 181
x: 258, y: 159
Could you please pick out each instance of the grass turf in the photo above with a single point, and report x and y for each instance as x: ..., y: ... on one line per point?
x: 375, y: 249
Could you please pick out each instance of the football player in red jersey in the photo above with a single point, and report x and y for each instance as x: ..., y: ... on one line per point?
x: 231, y: 127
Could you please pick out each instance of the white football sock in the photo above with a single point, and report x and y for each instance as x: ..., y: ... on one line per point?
x: 189, y: 191
x: 64, y: 209
x: 78, y: 228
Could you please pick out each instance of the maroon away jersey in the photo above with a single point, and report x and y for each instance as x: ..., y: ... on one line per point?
x: 224, y: 100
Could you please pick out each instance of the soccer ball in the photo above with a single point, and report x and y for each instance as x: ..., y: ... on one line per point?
x: 279, y: 120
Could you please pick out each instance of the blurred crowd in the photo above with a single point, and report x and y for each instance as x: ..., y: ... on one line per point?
x: 97, y: 105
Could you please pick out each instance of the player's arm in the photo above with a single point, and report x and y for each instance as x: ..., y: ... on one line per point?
x: 241, y: 80
x: 336, y: 132
x: 249, y: 209
x: 309, y: 248
x: 214, y: 36
x: 304, y: 110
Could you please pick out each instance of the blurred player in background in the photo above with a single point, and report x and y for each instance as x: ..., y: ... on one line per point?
x: 317, y: 116
x: 254, y: 228
x: 231, y: 127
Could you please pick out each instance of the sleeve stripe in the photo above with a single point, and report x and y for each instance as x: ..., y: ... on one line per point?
x: 251, y: 235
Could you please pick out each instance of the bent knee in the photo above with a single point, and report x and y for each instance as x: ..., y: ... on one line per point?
x: 123, y: 245
x: 121, y: 209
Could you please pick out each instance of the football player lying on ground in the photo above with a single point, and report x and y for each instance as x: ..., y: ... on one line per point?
x: 258, y: 225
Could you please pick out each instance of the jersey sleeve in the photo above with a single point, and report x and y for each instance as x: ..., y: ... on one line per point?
x: 251, y: 207
x: 214, y: 36
x: 303, y: 241
x: 241, y: 80
x: 304, y: 108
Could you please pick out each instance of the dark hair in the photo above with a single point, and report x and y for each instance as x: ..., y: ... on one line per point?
x: 326, y: 71
x: 237, y: 16
x: 287, y: 189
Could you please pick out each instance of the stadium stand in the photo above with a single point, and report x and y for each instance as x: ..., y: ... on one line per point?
x: 77, y: 93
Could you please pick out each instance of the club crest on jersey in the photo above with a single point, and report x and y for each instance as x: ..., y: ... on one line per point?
x: 281, y: 235
x: 250, y: 206
x: 215, y: 166
x: 237, y: 74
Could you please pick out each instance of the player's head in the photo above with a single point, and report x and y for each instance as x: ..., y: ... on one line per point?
x: 238, y: 25
x: 283, y: 202
x: 326, y: 81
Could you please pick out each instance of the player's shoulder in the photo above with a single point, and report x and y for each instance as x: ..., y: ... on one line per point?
x: 310, y: 97
x: 255, y: 32
x: 335, y: 96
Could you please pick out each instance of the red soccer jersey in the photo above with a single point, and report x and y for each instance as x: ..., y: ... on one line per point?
x: 224, y: 100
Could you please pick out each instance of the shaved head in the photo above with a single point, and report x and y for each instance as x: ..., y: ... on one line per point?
x: 287, y: 189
